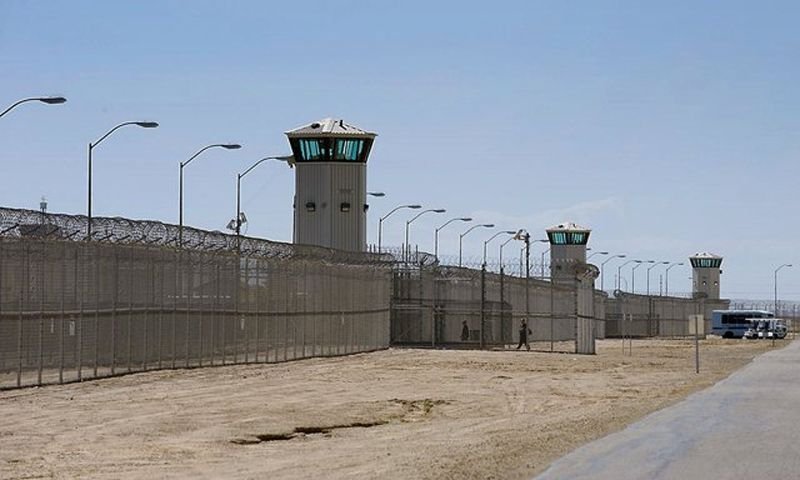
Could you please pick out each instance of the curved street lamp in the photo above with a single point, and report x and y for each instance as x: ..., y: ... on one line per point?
x: 655, y: 264
x: 638, y: 263
x: 91, y: 147
x: 226, y: 146
x: 522, y: 253
x: 619, y: 272
x: 595, y: 253
x: 666, y: 277
x: 436, y: 232
x: 518, y: 235
x: 47, y: 100
x: 408, y: 224
x: 486, y: 243
x: 239, y: 220
x: 776, y: 289
x: 461, y: 237
x: 543, y: 254
x: 603, y: 265
x: 380, y: 221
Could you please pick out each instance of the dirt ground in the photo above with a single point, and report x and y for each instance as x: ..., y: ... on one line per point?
x: 390, y: 414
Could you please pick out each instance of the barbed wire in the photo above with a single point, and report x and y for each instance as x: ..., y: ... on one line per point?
x: 21, y: 223
x: 416, y: 258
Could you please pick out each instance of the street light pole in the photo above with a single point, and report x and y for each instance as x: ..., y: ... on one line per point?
x: 501, y: 251
x: 47, y: 100
x: 380, y: 221
x: 619, y: 273
x: 486, y: 243
x: 655, y: 264
x: 436, y: 233
x: 666, y: 277
x: 543, y: 254
x: 602, y: 277
x: 776, y: 289
x: 526, y: 248
x: 227, y: 146
x: 461, y: 237
x: 238, y: 220
x: 408, y: 225
x: 91, y: 148
x: 638, y: 263
x: 595, y: 253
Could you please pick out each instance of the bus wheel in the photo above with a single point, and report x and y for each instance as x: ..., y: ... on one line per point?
x: 728, y: 335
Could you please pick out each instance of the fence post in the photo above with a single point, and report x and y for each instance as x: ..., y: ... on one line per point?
x: 40, y: 360
x: 257, y: 309
x: 503, y: 304
x: 315, y: 318
x: 79, y: 326
x: 130, y: 307
x: 697, y: 343
x: 215, y: 318
x: 162, y: 263
x: 176, y: 270
x: 285, y: 314
x: 200, y: 312
x: 152, y: 285
x: 246, y: 309
x: 189, y: 287
x: 305, y: 305
x: 237, y: 319
x: 552, y: 309
x: 22, y: 287
x: 95, y: 249
x: 63, y: 312
x: 483, y: 301
x: 295, y: 310
x: 114, y: 312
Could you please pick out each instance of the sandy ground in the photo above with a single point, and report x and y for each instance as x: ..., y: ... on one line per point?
x: 390, y: 414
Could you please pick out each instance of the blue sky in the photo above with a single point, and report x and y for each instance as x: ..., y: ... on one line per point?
x: 668, y: 129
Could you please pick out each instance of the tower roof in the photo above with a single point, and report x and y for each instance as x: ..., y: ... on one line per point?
x: 568, y: 227
x: 568, y: 233
x: 334, y: 127
x: 706, y: 255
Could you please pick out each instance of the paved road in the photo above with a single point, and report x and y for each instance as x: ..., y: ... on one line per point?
x: 745, y: 427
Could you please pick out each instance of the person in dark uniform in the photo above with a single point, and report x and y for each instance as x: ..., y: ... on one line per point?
x: 464, y: 331
x: 524, y: 331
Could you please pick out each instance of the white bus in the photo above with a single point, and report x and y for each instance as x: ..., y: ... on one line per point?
x: 733, y: 323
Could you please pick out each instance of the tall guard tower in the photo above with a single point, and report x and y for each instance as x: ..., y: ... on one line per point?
x: 567, y: 250
x: 330, y: 206
x: 705, y: 275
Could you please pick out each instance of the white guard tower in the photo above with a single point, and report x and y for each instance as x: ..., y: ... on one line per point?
x: 705, y: 275
x: 567, y: 250
x: 330, y: 202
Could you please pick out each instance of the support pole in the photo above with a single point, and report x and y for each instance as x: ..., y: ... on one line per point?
x: 483, y: 302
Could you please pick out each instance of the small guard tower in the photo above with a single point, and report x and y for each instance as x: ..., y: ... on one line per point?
x: 705, y: 275
x: 567, y: 250
x: 330, y: 206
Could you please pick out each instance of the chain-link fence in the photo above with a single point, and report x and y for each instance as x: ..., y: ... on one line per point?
x: 631, y: 315
x: 140, y: 295
x: 468, y: 308
x: 73, y: 310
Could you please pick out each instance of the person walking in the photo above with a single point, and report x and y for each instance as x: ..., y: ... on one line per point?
x: 464, y: 331
x: 524, y: 331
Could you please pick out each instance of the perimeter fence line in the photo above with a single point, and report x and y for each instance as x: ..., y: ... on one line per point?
x: 452, y: 307
x: 130, y: 297
x: 72, y: 309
